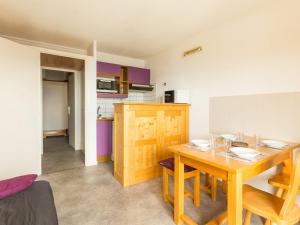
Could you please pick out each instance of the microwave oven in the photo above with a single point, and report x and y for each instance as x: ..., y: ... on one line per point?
x: 177, y: 96
x: 107, y: 85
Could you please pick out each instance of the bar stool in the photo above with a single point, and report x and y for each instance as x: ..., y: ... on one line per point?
x: 189, y: 172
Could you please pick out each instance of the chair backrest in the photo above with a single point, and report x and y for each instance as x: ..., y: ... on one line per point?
x: 290, y: 199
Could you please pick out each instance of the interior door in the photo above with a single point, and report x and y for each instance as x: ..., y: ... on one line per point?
x: 71, y: 109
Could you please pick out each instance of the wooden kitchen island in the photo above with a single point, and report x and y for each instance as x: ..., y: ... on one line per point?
x: 142, y: 133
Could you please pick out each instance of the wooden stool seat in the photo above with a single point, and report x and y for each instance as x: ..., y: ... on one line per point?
x: 189, y: 172
x: 169, y: 163
x: 211, y: 181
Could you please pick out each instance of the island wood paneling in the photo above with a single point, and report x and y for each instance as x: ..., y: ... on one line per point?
x: 142, y: 132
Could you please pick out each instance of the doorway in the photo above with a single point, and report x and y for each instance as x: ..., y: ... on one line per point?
x: 63, y: 120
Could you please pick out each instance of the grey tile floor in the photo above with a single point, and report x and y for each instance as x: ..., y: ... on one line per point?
x: 91, y: 196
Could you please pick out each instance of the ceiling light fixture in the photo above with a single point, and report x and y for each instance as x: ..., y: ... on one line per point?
x: 192, y: 51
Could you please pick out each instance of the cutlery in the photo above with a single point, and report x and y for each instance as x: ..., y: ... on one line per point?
x: 274, y: 147
x: 237, y: 156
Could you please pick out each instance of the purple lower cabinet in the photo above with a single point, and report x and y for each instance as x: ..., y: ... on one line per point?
x: 138, y: 75
x: 104, y: 140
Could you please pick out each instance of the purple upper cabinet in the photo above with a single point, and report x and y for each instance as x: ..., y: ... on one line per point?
x: 109, y: 69
x: 138, y: 75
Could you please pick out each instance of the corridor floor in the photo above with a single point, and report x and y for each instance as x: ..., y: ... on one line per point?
x: 59, y: 155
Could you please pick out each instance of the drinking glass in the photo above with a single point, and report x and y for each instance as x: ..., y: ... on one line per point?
x: 212, y: 141
x: 227, y: 144
x: 241, y: 136
x: 257, y: 140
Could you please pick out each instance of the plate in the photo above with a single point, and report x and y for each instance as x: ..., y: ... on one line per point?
x: 273, y: 143
x: 247, y: 153
x: 200, y: 143
x: 231, y: 137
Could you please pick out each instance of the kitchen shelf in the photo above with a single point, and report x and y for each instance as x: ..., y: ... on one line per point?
x: 111, y: 95
x: 120, y: 75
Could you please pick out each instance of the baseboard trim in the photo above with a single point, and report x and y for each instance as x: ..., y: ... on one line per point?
x: 53, y: 133
x: 103, y: 158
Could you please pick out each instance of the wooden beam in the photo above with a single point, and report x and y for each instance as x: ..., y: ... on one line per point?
x: 61, y: 62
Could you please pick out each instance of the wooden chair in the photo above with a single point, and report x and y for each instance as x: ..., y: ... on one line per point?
x: 211, y: 186
x: 282, y: 182
x: 219, y: 220
x: 189, y: 172
x: 271, y: 207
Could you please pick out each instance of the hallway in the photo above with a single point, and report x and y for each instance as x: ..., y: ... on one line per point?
x: 59, y: 155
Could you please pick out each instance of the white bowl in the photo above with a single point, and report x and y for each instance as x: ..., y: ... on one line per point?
x: 200, y: 143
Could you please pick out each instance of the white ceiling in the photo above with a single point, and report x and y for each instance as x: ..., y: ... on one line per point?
x: 136, y: 28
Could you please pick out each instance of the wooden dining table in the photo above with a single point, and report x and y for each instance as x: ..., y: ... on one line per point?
x: 234, y: 171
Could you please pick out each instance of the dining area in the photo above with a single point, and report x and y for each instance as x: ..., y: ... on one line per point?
x: 233, y: 169
x: 258, y: 170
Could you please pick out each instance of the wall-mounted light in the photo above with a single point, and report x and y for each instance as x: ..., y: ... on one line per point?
x: 192, y: 51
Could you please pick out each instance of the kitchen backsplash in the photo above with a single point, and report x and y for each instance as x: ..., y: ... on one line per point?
x: 107, y: 107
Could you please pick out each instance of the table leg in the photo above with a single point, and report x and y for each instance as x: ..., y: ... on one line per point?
x: 288, y: 164
x: 178, y: 191
x: 235, y: 199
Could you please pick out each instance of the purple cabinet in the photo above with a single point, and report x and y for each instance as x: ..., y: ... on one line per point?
x: 104, y: 140
x: 138, y: 75
x: 109, y: 68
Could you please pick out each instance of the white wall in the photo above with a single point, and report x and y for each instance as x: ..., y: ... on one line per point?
x: 20, y: 114
x: 78, y: 105
x: 90, y: 112
x: 55, y: 103
x: 21, y: 93
x: 82, y: 84
x: 269, y: 115
x: 256, y: 54
x: 122, y: 60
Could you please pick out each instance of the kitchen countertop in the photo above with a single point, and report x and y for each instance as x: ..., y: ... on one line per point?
x: 105, y: 119
x: 149, y: 103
